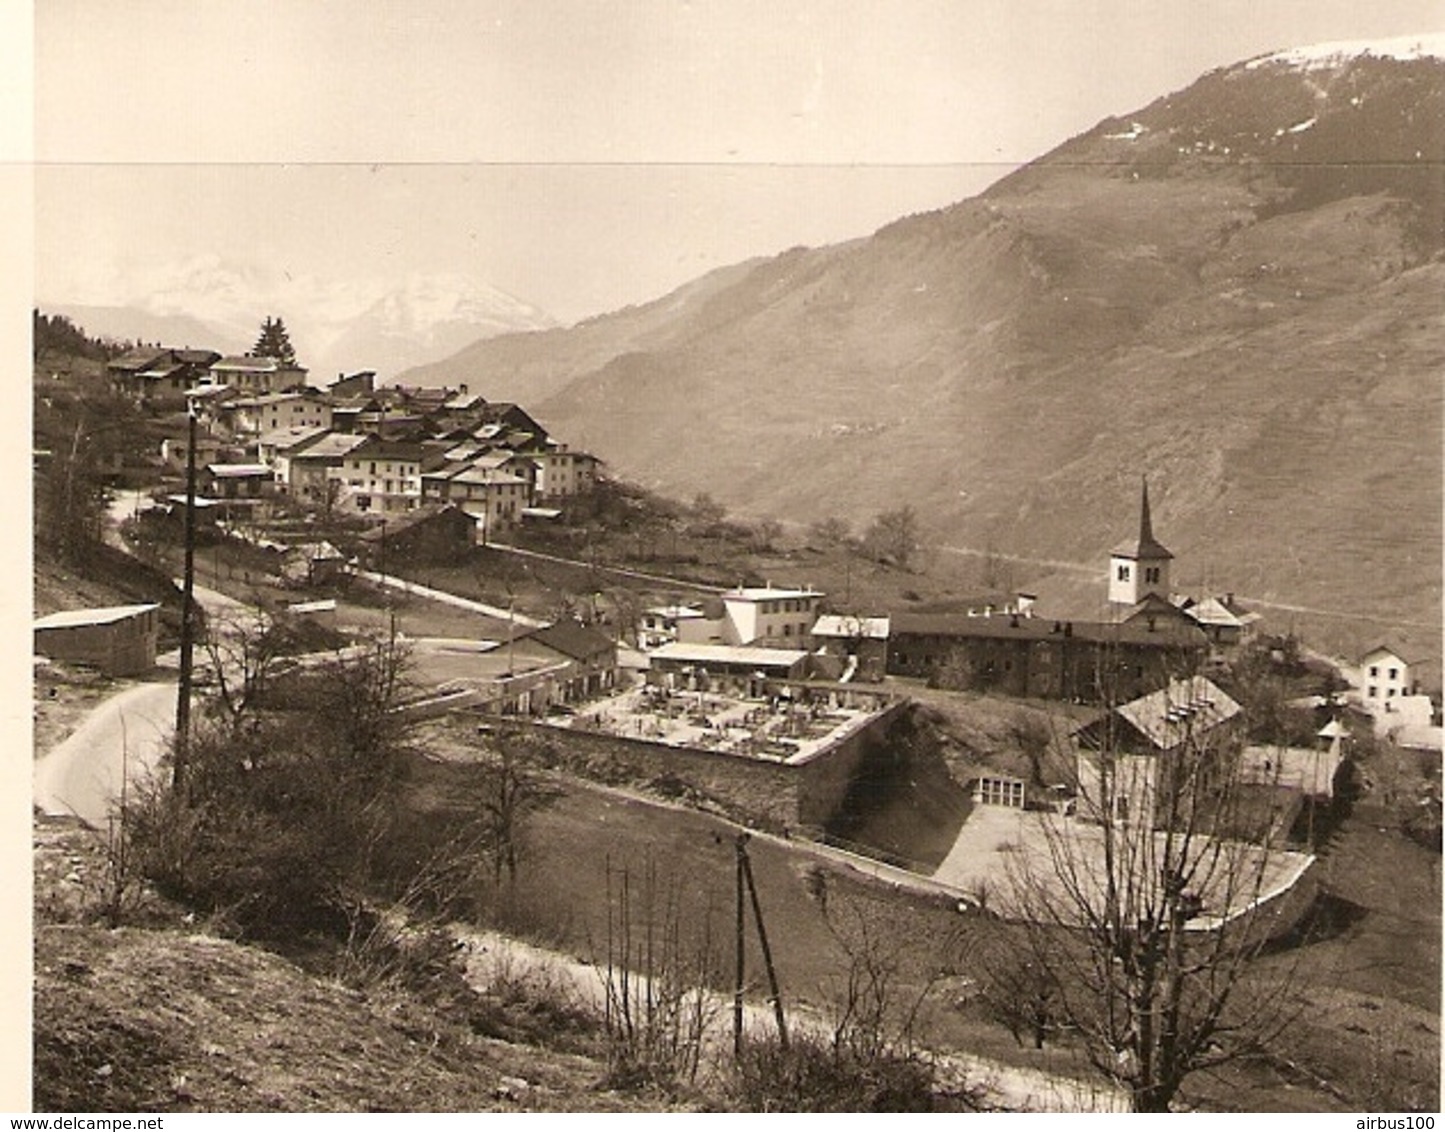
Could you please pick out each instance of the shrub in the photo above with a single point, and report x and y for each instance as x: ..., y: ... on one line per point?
x: 815, y: 1075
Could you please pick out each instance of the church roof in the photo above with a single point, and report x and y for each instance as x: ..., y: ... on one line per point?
x: 1145, y: 545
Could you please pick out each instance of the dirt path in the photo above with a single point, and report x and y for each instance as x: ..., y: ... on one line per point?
x: 494, y: 958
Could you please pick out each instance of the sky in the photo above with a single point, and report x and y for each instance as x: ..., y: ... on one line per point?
x: 578, y: 155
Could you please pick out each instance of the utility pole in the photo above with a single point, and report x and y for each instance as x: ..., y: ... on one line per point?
x: 188, y: 586
x: 747, y: 867
x: 738, y: 957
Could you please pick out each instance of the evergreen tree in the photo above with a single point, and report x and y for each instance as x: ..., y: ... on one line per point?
x: 274, y: 342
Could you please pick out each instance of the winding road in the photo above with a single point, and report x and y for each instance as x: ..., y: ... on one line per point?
x: 122, y: 739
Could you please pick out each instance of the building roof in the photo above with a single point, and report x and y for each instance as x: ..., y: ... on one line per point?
x: 247, y: 364
x: 237, y: 471
x: 767, y: 593
x: 293, y: 436
x: 1184, y: 709
x: 572, y: 639
x: 1144, y: 545
x: 1213, y: 612
x: 331, y: 446
x: 374, y: 448
x: 108, y: 615
x: 390, y: 528
x: 1020, y: 626
x: 1382, y: 650
x: 139, y: 358
x: 848, y: 627
x: 1299, y: 768
x: 728, y: 654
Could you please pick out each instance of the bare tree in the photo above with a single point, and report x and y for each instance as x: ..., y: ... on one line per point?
x: 244, y: 649
x: 893, y: 536
x: 1146, y: 919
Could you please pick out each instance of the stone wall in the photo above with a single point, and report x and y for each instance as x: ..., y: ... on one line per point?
x: 768, y: 795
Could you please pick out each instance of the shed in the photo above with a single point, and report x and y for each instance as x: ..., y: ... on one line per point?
x: 119, y: 640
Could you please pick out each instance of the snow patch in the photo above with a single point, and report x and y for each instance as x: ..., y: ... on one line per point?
x: 1135, y: 131
x: 1297, y: 128
x: 1405, y: 48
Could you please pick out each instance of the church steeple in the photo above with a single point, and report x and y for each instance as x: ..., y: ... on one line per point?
x: 1139, y: 566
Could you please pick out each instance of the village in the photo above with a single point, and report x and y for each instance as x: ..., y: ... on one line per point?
x: 773, y: 683
x: 983, y: 756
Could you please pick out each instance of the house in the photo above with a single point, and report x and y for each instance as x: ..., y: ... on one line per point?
x: 1139, y: 566
x: 272, y: 412
x: 152, y: 373
x: 314, y: 472
x: 1222, y: 619
x: 1017, y: 655
x: 352, y: 385
x: 495, y: 498
x: 561, y: 473
x: 862, y: 642
x: 252, y: 374
x: 1123, y: 757
x: 276, y: 448
x: 1382, y: 675
x: 119, y: 640
x: 236, y: 482
x: 424, y: 535
x: 658, y: 625
x: 382, y: 477
x: 592, y: 655
x: 311, y: 564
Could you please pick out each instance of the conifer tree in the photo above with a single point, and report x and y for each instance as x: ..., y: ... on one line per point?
x: 274, y: 342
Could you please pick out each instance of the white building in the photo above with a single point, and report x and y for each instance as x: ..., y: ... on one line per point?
x: 765, y: 615
x: 1140, y: 566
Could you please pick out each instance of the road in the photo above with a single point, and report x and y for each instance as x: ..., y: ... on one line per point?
x: 128, y: 733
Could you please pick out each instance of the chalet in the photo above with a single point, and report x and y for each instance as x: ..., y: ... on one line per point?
x: 311, y: 564
x: 151, y: 373
x: 592, y: 656
x: 1123, y: 757
x: 421, y: 536
x: 118, y: 640
x: 232, y: 482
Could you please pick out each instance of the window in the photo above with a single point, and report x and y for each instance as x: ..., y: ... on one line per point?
x: 1374, y: 671
x: 1389, y: 692
x: 1151, y: 574
x: 1394, y: 674
x: 1123, y: 572
x: 787, y: 630
x: 1374, y: 692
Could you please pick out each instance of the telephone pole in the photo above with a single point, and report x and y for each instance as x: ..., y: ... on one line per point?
x: 188, y: 586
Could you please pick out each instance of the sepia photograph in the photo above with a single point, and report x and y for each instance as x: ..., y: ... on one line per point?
x: 711, y: 556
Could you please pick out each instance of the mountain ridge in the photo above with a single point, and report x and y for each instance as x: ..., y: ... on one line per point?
x: 1234, y: 291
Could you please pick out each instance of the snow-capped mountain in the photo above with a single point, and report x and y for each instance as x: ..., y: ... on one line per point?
x: 427, y: 318
x: 386, y: 325
x: 1324, y: 55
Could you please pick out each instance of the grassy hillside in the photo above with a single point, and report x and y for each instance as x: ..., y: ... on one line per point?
x: 1234, y: 291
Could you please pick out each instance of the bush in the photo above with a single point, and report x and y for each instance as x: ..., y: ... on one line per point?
x: 814, y: 1075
